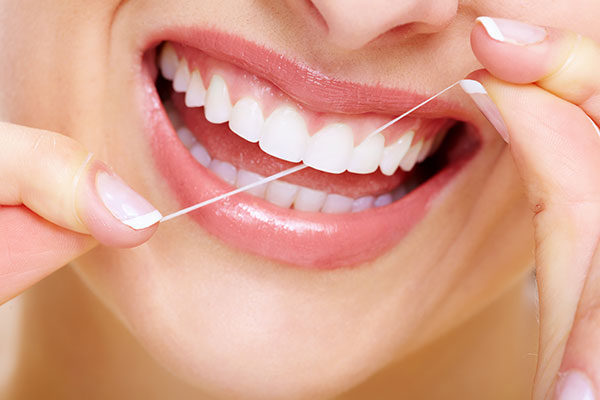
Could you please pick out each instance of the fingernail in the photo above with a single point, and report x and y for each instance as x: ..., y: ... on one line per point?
x: 511, y: 31
x: 124, y: 203
x: 573, y: 385
x: 485, y: 104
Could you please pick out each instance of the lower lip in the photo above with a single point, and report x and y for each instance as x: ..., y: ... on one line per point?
x: 308, y: 240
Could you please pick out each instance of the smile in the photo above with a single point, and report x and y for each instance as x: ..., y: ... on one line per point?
x: 227, y: 118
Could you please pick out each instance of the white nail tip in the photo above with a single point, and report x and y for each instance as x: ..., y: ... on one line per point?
x: 144, y: 221
x: 217, y: 109
x: 472, y: 87
x: 330, y: 149
x: 491, y: 28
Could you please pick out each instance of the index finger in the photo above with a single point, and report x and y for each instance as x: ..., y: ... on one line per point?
x: 561, y: 62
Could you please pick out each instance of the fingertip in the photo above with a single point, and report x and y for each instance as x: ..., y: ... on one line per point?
x: 113, y: 212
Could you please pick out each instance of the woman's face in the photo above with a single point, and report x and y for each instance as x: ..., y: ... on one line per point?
x: 247, y: 297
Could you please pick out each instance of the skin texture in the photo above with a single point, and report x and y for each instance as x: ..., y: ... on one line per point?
x: 185, y: 314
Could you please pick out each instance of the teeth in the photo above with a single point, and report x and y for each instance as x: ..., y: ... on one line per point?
x: 393, y: 154
x: 168, y: 61
x: 218, y: 105
x: 330, y: 149
x: 200, y: 154
x: 281, y: 194
x: 367, y: 155
x: 383, y: 200
x: 245, y: 178
x: 196, y: 93
x: 186, y: 137
x: 247, y: 119
x: 410, y: 159
x: 363, y: 203
x: 337, y: 204
x: 181, y: 80
x: 425, y: 150
x: 224, y: 170
x: 284, y: 135
x: 309, y: 200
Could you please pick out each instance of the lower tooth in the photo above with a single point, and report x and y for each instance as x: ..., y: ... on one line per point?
x: 200, y: 154
x: 383, y: 200
x: 399, y: 193
x: 363, y: 203
x: 245, y: 178
x: 186, y: 137
x: 337, y: 204
x: 224, y: 170
x: 309, y: 200
x: 281, y: 194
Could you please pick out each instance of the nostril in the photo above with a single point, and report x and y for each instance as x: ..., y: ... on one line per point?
x: 316, y: 15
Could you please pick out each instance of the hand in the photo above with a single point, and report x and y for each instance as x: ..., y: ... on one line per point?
x: 57, y: 202
x: 543, y: 96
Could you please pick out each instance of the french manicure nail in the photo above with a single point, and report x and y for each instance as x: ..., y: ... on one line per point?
x: 485, y: 104
x: 511, y: 31
x: 124, y: 203
x: 574, y: 385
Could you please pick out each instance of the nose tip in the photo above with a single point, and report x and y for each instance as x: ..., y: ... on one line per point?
x: 354, y: 23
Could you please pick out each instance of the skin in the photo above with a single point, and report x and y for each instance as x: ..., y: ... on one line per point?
x: 185, y: 316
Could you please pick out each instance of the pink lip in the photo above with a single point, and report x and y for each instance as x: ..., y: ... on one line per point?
x: 311, y: 240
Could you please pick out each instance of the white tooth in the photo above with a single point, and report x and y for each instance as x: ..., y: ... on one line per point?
x: 224, y: 170
x: 309, y: 200
x: 367, y: 155
x: 218, y: 105
x: 281, y: 193
x: 425, y: 150
x: 393, y: 154
x: 284, y: 135
x: 247, y: 119
x: 186, y: 137
x: 410, y: 159
x: 363, y: 203
x: 200, y: 154
x: 337, y: 204
x: 196, y: 93
x: 330, y: 149
x: 168, y: 61
x: 246, y: 178
x: 181, y: 80
x: 383, y: 200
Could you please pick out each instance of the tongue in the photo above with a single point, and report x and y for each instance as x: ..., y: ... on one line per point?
x: 225, y: 145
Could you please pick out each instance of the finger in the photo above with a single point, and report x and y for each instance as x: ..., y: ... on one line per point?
x: 562, y: 62
x: 56, y: 178
x: 32, y: 248
x: 557, y: 152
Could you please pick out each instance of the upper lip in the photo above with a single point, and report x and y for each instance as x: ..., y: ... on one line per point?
x: 305, y: 83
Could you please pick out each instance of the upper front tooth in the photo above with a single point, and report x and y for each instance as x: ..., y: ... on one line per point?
x: 196, y: 93
x: 330, y: 149
x: 181, y: 80
x: 247, y: 119
x: 168, y: 61
x: 367, y: 155
x: 410, y: 159
x: 281, y: 193
x: 284, y: 135
x: 218, y: 105
x: 393, y: 154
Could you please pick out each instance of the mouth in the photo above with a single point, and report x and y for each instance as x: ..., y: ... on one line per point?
x: 225, y: 112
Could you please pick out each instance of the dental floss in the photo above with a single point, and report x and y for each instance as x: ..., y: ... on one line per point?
x: 297, y: 167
